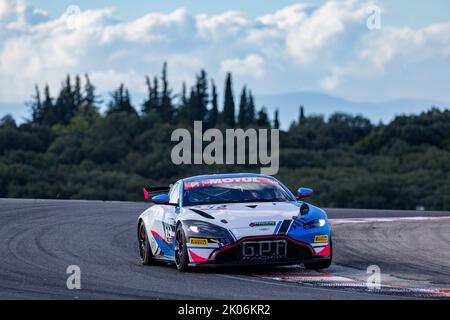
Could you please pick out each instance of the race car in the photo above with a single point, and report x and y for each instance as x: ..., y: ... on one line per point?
x: 233, y: 220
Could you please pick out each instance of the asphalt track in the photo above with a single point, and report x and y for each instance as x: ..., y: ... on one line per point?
x: 39, y: 239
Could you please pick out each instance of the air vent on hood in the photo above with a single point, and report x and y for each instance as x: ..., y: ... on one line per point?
x: 202, y: 213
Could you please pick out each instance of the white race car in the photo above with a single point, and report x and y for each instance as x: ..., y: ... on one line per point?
x: 233, y: 219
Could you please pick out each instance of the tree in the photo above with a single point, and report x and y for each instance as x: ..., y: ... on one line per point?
x: 301, y: 119
x: 214, y: 112
x: 250, y: 108
x: 152, y: 104
x: 120, y: 101
x: 88, y: 109
x: 8, y: 121
x: 184, y: 99
x: 77, y: 95
x: 276, y: 122
x: 242, y: 116
x: 36, y: 107
x: 263, y: 119
x: 228, y: 114
x: 199, y: 100
x: 183, y: 107
x: 49, y: 116
x: 166, y: 97
x: 90, y: 99
x: 65, y: 107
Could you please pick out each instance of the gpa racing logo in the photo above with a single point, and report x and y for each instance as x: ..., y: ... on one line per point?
x: 262, y: 224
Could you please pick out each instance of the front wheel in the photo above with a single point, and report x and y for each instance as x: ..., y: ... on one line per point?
x: 181, y: 253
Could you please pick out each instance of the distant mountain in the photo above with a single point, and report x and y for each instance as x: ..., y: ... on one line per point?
x: 320, y: 103
x: 289, y: 103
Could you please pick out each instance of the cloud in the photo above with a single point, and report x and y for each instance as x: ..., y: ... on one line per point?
x: 331, y: 82
x: 15, y: 14
x: 252, y: 65
x: 414, y: 45
x: 299, y: 47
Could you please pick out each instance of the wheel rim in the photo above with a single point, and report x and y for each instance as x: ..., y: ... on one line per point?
x: 179, y: 248
x: 142, y: 241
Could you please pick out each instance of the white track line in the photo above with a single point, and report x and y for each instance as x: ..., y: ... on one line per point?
x: 330, y: 280
x: 393, y: 219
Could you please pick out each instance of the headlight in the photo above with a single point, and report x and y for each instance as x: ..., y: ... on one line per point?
x: 315, y: 224
x: 206, y: 230
x: 193, y: 229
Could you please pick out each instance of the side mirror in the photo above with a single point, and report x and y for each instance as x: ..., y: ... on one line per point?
x: 161, y: 199
x: 304, y: 193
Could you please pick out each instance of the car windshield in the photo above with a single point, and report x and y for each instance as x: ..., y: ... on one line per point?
x: 233, y: 190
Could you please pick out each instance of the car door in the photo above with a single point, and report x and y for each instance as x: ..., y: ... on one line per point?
x: 170, y: 214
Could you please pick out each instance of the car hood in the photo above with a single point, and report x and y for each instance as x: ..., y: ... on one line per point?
x: 248, y: 219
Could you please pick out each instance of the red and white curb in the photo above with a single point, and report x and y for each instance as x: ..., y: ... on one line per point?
x: 390, y: 219
x: 339, y: 281
x: 335, y: 281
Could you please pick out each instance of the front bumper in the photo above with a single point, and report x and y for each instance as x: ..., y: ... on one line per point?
x: 293, y: 252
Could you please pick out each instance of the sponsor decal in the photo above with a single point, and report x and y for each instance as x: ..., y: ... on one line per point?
x: 321, y: 238
x: 262, y: 224
x: 226, y: 181
x: 198, y: 242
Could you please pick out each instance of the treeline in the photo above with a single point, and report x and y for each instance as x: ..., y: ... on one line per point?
x: 70, y: 150
x: 199, y: 104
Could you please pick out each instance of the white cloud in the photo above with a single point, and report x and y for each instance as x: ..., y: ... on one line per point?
x: 297, y: 47
x: 15, y: 14
x: 252, y: 65
x: 331, y: 82
x: 414, y: 45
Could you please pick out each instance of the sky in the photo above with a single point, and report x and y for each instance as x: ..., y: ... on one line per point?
x: 271, y: 46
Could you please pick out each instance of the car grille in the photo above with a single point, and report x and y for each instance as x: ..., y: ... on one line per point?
x: 264, y: 250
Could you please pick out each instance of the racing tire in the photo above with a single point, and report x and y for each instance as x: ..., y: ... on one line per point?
x: 322, y: 264
x: 181, y: 253
x: 145, y: 251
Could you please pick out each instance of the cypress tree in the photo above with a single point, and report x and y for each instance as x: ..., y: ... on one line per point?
x: 88, y: 107
x: 146, y: 105
x: 214, y: 113
x: 48, y: 109
x: 166, y: 97
x: 77, y: 95
x: 36, y: 107
x: 183, y: 106
x: 263, y: 119
x: 276, y: 121
x: 65, y: 107
x: 228, y: 107
x: 191, y: 106
x: 89, y: 91
x: 184, y: 99
x: 201, y: 96
x: 251, y: 108
x: 242, y: 116
x: 301, y: 119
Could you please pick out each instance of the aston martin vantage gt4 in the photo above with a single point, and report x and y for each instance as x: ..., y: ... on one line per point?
x: 233, y: 219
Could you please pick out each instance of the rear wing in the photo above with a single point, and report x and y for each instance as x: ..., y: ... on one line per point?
x: 151, y: 192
